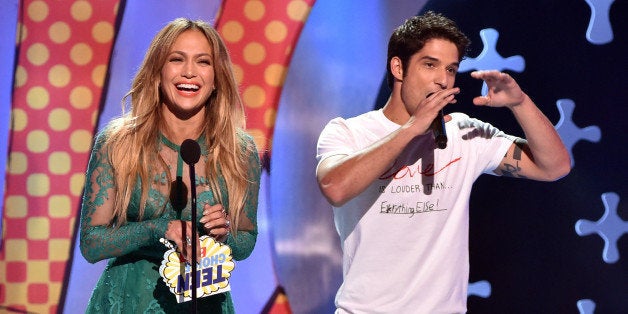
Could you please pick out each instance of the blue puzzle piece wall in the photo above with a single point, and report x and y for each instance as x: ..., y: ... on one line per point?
x: 490, y: 59
x: 569, y: 132
x: 610, y: 227
x: 600, y: 30
x: 480, y: 289
x: 586, y: 306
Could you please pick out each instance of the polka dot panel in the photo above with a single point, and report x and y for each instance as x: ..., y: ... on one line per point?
x: 260, y: 36
x: 62, y: 60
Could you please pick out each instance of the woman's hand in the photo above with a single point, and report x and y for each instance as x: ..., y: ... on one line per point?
x: 180, y: 232
x: 216, y: 222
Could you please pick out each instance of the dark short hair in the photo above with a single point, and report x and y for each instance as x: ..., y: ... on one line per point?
x: 411, y: 36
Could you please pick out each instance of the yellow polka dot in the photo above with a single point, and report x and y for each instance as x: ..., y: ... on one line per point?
x: 16, y: 206
x: 37, y: 97
x: 269, y: 117
x: 298, y: 10
x: 38, y: 271
x: 59, y: 119
x: 232, y: 31
x: 258, y: 137
x: 54, y: 288
x: 77, y: 181
x: 254, y: 96
x: 276, y: 31
x: 81, y: 97
x: 37, y: 141
x: 98, y: 75
x: 38, y: 184
x: 254, y: 10
x: 238, y: 73
x: 37, y: 54
x: 275, y: 74
x: 59, y: 32
x: 102, y: 32
x: 81, y: 10
x: 281, y: 299
x: 19, y: 119
x: 254, y: 53
x: 18, y: 249
x: 59, y: 163
x: 58, y: 249
x: 59, y: 206
x: 21, y: 76
x: 38, y: 228
x: 81, y: 54
x: 80, y: 141
x: 37, y: 11
x: 59, y: 75
x: 18, y: 163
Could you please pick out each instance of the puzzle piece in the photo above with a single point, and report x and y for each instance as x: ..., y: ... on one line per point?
x: 490, y: 59
x: 586, y: 306
x: 569, y: 132
x: 600, y: 30
x: 610, y: 227
x: 481, y: 289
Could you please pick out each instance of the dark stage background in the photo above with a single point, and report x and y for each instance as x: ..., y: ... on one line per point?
x: 523, y: 235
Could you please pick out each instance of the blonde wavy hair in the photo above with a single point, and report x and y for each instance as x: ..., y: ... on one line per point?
x: 136, y: 133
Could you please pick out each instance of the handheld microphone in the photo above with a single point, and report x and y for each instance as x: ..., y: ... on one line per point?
x: 191, y: 153
x: 438, y: 127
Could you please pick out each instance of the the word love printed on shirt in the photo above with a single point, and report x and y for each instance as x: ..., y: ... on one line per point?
x: 405, y: 171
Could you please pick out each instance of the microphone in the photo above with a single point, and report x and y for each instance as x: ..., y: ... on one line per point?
x: 191, y: 153
x: 438, y: 127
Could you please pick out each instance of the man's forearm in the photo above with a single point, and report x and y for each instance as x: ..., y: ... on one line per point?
x: 548, y: 151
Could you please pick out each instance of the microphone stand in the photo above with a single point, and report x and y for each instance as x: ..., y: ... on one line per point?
x: 191, y: 152
x: 194, y: 248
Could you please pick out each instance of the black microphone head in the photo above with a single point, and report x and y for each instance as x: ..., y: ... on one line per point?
x: 190, y: 151
x: 441, y: 141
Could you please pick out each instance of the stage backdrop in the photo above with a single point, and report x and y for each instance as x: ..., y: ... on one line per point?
x: 535, y: 247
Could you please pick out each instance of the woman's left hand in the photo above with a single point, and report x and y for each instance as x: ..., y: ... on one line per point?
x: 216, y: 221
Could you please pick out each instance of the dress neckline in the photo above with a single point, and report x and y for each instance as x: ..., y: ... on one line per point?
x: 177, y: 148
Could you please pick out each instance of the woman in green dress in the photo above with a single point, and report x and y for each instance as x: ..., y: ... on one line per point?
x: 137, y: 187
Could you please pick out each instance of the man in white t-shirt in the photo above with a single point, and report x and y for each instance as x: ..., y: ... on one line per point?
x: 401, y: 205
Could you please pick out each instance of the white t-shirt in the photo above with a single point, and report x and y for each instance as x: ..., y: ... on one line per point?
x: 405, y: 238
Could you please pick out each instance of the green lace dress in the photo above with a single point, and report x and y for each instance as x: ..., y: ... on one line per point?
x: 131, y: 282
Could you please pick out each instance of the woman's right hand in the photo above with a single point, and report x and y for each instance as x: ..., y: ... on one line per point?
x: 180, y: 232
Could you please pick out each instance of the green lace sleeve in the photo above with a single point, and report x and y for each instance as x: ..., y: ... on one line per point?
x: 98, y: 242
x: 242, y: 245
